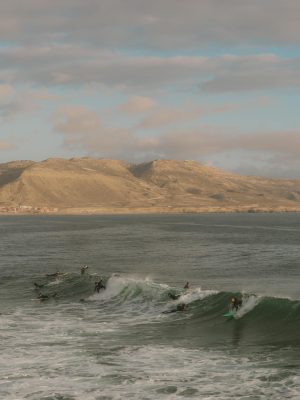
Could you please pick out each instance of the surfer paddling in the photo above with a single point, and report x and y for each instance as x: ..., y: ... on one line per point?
x: 37, y: 286
x: 43, y: 297
x: 55, y: 275
x: 179, y: 307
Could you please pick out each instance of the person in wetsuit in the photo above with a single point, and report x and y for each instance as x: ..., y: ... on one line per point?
x: 83, y: 269
x: 44, y: 297
x: 173, y: 296
x: 56, y: 274
x: 235, y: 303
x: 99, y: 285
x: 179, y: 307
x: 37, y: 286
x: 187, y: 285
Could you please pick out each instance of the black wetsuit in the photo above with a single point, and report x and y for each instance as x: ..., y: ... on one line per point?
x: 180, y: 307
x: 43, y: 297
x: 174, y: 296
x: 99, y: 285
x: 53, y: 275
x: 236, y: 304
x: 37, y: 286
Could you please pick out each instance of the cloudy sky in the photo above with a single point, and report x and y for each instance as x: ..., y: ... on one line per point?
x: 217, y: 81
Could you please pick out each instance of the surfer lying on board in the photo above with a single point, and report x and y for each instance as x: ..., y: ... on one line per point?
x: 56, y: 274
x: 43, y: 297
x: 180, y: 307
x: 37, y: 286
x: 235, y: 303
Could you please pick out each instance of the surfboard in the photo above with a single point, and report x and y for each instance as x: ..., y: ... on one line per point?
x: 229, y: 314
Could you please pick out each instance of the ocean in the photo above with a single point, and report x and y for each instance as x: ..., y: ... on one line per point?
x: 125, y: 342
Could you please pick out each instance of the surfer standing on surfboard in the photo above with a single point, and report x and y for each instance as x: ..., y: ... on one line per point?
x: 235, y: 303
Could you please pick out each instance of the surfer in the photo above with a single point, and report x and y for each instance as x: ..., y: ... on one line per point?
x: 37, y: 286
x: 55, y: 275
x: 83, y: 269
x: 99, y: 285
x: 235, y: 303
x: 173, y: 296
x: 180, y: 307
x: 44, y: 297
x: 187, y: 285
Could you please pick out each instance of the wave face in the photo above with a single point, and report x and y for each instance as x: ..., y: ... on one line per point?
x: 260, y: 319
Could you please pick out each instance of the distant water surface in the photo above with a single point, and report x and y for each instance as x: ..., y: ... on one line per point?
x: 124, y: 342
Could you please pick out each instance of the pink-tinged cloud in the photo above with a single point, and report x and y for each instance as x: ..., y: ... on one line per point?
x: 14, y: 101
x: 62, y: 65
x: 208, y: 141
x: 162, y: 116
x: 83, y: 129
x: 5, y: 145
x: 6, y: 93
x: 286, y: 144
x: 137, y: 105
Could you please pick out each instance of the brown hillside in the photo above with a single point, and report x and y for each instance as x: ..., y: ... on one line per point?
x: 189, y: 183
x: 72, y: 183
x: 165, y: 185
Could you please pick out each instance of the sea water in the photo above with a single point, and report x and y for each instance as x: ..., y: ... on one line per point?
x: 124, y: 342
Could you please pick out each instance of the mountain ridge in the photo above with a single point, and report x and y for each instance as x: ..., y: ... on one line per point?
x: 105, y: 185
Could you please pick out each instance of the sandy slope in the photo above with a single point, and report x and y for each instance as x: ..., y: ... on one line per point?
x: 98, y: 185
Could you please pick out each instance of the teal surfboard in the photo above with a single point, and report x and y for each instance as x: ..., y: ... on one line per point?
x: 229, y: 314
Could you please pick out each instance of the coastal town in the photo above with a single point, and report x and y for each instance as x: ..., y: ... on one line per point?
x: 26, y: 209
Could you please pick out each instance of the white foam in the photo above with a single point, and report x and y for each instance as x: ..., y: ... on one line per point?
x: 58, y: 354
x: 116, y: 284
x: 54, y: 283
x: 249, y: 303
x: 192, y: 295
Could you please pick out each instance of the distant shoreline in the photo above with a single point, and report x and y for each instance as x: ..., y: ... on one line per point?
x: 153, y: 211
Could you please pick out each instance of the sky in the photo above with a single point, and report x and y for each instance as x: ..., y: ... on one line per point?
x: 216, y: 81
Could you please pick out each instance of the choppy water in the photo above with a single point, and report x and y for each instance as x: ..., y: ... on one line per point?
x: 122, y: 343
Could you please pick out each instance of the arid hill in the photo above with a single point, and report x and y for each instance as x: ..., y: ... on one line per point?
x: 99, y: 185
